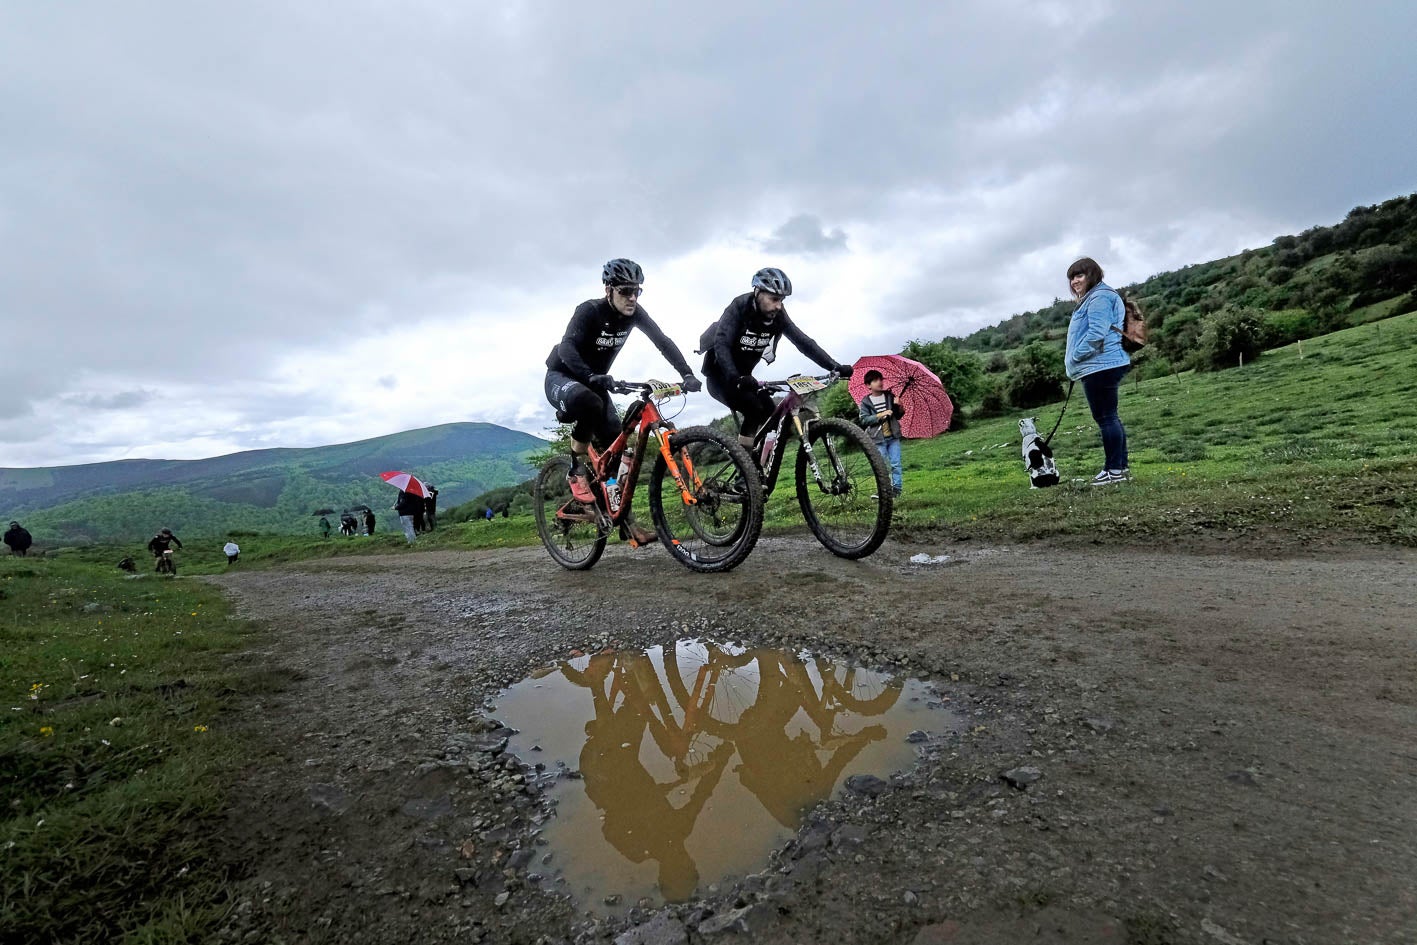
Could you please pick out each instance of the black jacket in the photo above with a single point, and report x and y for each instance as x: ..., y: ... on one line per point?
x: 595, y: 336
x: 409, y: 504
x: 158, y: 544
x: 744, y: 334
x: 18, y: 538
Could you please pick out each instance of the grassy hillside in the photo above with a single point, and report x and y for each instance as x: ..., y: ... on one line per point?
x: 268, y: 490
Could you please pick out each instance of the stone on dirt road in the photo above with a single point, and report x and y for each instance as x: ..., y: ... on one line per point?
x: 1022, y: 777
x: 1048, y: 926
x: 663, y: 929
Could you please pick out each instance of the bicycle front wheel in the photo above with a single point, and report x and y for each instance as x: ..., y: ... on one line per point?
x: 850, y: 509
x: 568, y: 529
x: 713, y: 523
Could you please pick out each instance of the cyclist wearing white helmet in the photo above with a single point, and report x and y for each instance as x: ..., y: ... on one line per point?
x: 746, y: 333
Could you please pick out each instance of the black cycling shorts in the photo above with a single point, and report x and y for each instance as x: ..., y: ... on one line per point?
x: 589, y: 408
x: 753, y: 407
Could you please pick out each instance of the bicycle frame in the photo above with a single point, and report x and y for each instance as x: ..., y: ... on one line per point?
x: 793, y: 407
x: 642, y: 420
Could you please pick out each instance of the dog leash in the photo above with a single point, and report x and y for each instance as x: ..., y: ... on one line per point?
x: 1048, y: 440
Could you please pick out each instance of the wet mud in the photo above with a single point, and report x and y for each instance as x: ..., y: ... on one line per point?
x: 1217, y: 750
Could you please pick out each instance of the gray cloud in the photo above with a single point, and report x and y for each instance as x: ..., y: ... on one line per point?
x: 122, y: 400
x: 804, y: 235
x: 191, y: 199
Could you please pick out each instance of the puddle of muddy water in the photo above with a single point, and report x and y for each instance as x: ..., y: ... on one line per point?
x: 697, y: 760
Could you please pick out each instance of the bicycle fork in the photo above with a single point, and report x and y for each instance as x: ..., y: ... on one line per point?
x: 835, y: 487
x: 667, y: 453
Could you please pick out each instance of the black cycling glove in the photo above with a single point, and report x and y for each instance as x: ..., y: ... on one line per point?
x: 747, y: 384
x: 844, y: 370
x: 692, y: 384
x: 601, y: 380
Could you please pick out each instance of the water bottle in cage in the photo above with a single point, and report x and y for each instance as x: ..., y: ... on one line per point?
x: 769, y: 444
x: 625, y: 459
x: 612, y: 495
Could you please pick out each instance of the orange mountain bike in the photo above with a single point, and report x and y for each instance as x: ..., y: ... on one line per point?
x: 704, y: 493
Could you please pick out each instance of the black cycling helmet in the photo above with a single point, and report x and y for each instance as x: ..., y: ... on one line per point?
x: 622, y: 272
x: 165, y: 531
x: 773, y: 280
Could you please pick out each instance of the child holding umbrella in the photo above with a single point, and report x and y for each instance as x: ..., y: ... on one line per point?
x: 880, y: 418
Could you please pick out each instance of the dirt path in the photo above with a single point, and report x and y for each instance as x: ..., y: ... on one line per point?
x: 1226, y: 753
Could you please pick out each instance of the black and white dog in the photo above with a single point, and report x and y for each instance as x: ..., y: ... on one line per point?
x: 1037, y: 456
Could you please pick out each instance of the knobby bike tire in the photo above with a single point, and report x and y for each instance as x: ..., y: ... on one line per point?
x: 574, y: 546
x: 872, y: 507
x: 730, y: 502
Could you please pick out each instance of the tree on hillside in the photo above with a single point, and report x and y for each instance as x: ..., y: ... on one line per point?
x: 1229, y: 335
x: 961, y: 372
x: 1035, y: 375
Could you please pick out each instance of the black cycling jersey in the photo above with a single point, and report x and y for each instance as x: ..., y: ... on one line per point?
x: 745, y: 334
x: 159, y: 543
x: 597, y: 333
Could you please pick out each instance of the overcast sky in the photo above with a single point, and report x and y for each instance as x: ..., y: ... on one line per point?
x: 227, y: 226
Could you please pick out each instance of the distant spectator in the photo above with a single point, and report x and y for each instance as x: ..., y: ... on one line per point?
x: 507, y: 510
x: 409, y: 507
x: 430, y: 509
x: 1094, y: 358
x: 233, y: 551
x: 880, y: 417
x: 489, y: 513
x: 324, y: 527
x: 347, y: 525
x: 19, y: 540
x: 369, y: 521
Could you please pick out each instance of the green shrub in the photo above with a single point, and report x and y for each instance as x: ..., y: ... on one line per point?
x: 1035, y: 375
x: 1229, y: 335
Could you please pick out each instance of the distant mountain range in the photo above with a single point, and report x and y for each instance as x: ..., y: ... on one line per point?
x: 273, y: 490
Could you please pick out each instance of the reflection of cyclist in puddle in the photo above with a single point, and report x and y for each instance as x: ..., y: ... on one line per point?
x: 640, y: 819
x: 784, y: 771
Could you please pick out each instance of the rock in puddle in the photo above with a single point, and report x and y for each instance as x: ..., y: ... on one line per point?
x: 867, y: 785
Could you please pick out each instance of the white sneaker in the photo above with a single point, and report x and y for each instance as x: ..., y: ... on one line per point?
x: 1103, y: 478
x: 1121, y: 475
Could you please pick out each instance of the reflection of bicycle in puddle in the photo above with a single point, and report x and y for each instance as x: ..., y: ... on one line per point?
x: 793, y: 723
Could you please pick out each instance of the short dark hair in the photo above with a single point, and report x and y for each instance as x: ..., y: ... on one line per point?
x: 1086, y: 266
x: 873, y: 375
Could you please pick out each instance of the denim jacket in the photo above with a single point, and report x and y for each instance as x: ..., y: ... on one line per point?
x: 1095, y: 334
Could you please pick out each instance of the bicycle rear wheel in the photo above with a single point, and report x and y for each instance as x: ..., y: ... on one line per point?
x: 568, y: 529
x: 716, y: 528
x: 850, y: 510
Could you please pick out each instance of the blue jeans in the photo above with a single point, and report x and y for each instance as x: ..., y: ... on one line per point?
x: 890, y: 449
x: 1101, y: 391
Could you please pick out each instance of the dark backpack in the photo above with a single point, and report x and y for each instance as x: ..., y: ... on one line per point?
x: 1133, y: 327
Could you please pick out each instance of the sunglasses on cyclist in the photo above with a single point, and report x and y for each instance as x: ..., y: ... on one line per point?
x: 629, y: 291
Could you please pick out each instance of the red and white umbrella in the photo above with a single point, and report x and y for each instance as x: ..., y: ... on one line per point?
x: 928, y: 408
x: 404, y: 482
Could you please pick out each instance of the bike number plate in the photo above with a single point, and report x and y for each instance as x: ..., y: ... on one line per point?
x: 801, y: 384
x: 662, y: 391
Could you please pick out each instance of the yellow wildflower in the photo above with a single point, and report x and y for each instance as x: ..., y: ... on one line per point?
x: 46, y: 731
x: 199, y: 728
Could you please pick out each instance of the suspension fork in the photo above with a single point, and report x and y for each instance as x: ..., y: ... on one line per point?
x: 807, y: 446
x: 667, y: 453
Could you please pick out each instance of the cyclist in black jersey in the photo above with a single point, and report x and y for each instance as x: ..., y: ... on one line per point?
x: 161, y: 542
x: 747, y: 332
x: 577, y: 370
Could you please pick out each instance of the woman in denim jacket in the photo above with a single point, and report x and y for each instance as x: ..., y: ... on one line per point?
x: 1095, y: 359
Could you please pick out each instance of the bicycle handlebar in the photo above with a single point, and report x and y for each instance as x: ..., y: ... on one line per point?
x: 829, y: 378
x: 645, y: 387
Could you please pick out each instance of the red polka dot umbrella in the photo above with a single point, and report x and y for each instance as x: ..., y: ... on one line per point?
x: 927, y: 407
x: 404, y: 482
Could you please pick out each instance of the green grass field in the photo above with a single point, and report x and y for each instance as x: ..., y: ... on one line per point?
x: 1323, y: 442
x: 114, y: 748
